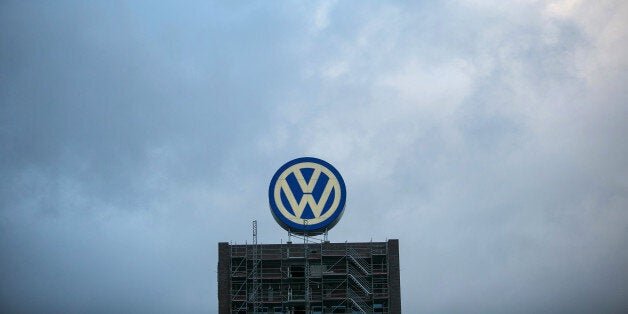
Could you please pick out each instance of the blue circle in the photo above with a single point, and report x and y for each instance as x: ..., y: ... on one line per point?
x: 310, y: 229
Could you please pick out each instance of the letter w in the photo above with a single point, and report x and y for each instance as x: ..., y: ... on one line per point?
x: 317, y: 207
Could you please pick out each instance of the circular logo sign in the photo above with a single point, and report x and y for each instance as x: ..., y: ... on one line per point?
x: 307, y: 196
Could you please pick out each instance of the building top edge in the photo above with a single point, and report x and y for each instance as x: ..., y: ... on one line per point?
x: 316, y: 243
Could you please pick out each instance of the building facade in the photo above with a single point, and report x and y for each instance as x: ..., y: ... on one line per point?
x: 309, y: 278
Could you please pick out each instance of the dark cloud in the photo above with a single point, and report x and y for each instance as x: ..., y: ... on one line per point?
x: 488, y: 138
x: 113, y: 139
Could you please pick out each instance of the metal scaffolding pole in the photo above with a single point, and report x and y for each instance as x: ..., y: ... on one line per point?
x: 254, y: 294
x: 307, y: 269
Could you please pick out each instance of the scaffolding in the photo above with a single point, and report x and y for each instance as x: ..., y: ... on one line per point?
x: 255, y: 276
x: 308, y: 278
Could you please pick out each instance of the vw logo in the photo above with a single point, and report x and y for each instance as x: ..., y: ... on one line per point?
x: 307, y: 196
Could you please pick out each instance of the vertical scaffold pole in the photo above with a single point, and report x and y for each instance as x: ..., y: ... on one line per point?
x: 307, y: 267
x: 254, y: 294
x: 254, y: 232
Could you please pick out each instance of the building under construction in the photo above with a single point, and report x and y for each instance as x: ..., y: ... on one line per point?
x: 309, y: 278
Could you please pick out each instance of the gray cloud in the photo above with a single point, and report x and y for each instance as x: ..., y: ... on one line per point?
x: 486, y: 136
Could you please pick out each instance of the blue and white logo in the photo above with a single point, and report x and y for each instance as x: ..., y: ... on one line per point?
x: 307, y: 196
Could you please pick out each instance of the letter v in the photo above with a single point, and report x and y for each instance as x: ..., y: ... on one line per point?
x: 309, y: 186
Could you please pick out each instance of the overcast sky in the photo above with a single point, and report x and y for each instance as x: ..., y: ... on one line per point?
x: 490, y: 137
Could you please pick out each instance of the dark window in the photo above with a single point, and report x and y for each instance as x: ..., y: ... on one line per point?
x: 297, y: 271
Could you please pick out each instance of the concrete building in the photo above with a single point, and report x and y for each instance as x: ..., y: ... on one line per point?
x: 309, y: 278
